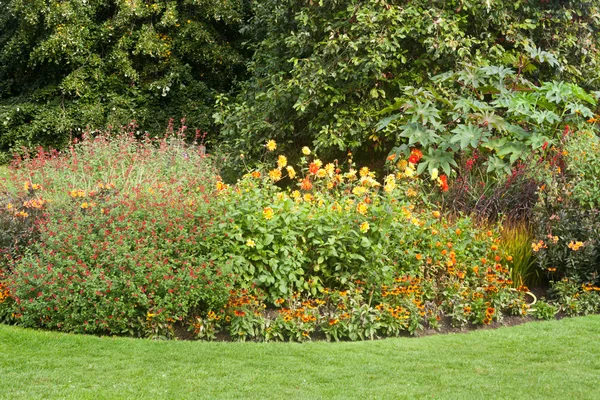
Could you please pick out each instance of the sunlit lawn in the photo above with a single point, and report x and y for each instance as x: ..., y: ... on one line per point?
x: 558, y: 359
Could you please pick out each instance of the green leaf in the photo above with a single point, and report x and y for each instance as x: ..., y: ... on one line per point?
x: 467, y: 135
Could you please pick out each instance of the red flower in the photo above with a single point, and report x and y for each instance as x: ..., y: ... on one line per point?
x: 415, y: 156
x: 444, y: 183
x: 239, y: 313
x: 313, y: 168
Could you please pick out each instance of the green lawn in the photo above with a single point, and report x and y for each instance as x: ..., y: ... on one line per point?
x: 3, y: 171
x: 558, y: 359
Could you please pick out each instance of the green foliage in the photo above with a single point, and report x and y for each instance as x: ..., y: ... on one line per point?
x: 490, y: 111
x: 575, y: 299
x: 68, y: 65
x: 568, y: 213
x: 337, y: 227
x: 545, y: 310
x: 322, y: 71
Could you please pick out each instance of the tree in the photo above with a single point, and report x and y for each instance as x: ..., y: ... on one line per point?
x: 323, y: 70
x: 69, y: 64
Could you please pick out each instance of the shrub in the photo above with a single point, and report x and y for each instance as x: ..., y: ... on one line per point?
x: 568, y: 216
x: 575, y: 299
x: 337, y: 227
x: 122, y: 243
x: 545, y: 310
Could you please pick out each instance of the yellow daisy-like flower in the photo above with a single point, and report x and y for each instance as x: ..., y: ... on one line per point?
x: 271, y: 145
x: 281, y: 162
x: 221, y: 186
x: 389, y: 187
x: 268, y: 212
x: 318, y: 163
x: 359, y: 190
x: 291, y: 172
x: 364, y: 227
x: 402, y: 164
x: 321, y: 173
x: 296, y: 194
x: 362, y: 208
x: 250, y: 243
x: 364, y: 171
x: 306, y: 151
x: 275, y: 175
x: 411, y: 192
x: 330, y: 169
x: 351, y: 175
x: 308, y: 197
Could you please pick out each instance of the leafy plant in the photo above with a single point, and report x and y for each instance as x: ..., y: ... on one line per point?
x: 516, y: 241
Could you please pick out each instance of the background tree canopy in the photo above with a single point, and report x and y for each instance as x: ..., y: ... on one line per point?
x: 320, y: 71
x: 68, y: 64
x: 323, y: 70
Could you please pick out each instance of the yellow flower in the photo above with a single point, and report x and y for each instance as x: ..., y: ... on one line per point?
x: 359, y: 190
x: 351, y: 175
x: 537, y: 246
x: 268, y: 212
x: 434, y: 174
x: 305, y: 151
x: 575, y: 245
x: 308, y: 197
x: 436, y: 214
x: 364, y: 227
x: 296, y: 194
x: 9, y: 206
x: 221, y: 186
x: 281, y: 161
x: 364, y: 171
x: 321, y: 173
x: 330, y: 169
x: 361, y: 208
x: 411, y: 192
x: 291, y: 172
x: 318, y: 163
x: 275, y: 175
x: 250, y: 243
x: 271, y: 145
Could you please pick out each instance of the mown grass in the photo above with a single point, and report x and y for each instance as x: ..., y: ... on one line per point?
x: 557, y: 359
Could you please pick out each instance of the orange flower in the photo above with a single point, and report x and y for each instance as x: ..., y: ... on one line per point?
x: 306, y: 184
x: 313, y: 168
x: 256, y: 174
x: 239, y: 313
